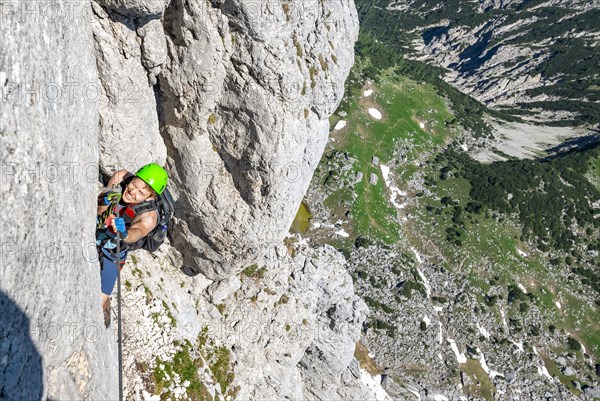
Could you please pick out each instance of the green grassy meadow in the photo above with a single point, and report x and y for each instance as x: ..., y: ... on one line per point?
x: 414, y: 118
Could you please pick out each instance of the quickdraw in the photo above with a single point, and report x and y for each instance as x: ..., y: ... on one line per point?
x: 114, y: 197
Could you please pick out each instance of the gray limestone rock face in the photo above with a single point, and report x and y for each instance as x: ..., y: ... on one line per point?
x: 244, y: 101
x: 274, y: 321
x: 154, y: 48
x: 129, y: 132
x: 234, y: 97
x: 53, y: 344
x: 135, y: 8
x: 238, y: 94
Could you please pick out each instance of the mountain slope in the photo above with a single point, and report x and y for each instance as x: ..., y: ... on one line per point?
x: 535, y: 59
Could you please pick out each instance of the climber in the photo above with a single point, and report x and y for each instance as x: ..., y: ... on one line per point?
x: 127, y: 214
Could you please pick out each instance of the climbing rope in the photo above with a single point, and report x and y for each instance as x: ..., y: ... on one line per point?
x: 120, y: 340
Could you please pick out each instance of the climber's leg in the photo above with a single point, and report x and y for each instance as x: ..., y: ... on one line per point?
x: 108, y: 271
x: 108, y: 277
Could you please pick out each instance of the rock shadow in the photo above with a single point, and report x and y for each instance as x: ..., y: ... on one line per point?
x: 574, y: 145
x: 21, y: 370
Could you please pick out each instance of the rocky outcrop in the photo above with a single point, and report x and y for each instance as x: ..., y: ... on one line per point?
x: 135, y: 8
x: 492, y: 76
x: 485, y: 5
x: 130, y: 52
x: 53, y: 344
x: 288, y: 327
x: 244, y: 101
x: 509, y: 54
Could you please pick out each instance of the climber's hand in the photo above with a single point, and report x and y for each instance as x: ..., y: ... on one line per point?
x: 118, y: 225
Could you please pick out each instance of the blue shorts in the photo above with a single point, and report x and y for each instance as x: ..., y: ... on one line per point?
x: 108, y: 268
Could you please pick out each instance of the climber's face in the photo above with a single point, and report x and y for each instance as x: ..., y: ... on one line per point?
x: 137, y: 191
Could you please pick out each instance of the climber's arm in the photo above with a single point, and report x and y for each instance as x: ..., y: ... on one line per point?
x: 141, y: 226
x: 114, y: 181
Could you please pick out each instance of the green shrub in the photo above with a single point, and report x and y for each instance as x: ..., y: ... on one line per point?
x: 573, y: 344
x: 254, y: 271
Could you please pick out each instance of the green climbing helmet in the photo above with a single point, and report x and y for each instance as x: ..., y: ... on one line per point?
x: 155, y: 176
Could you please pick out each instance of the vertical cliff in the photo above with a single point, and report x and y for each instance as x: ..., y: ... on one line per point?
x: 241, y: 93
x: 234, y: 97
x: 245, y: 99
x: 52, y: 341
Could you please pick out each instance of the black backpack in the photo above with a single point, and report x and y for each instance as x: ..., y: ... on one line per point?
x: 165, y: 205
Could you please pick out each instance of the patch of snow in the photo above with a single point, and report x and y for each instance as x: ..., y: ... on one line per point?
x: 146, y: 396
x: 340, y: 125
x: 342, y: 233
x: 523, y: 254
x: 503, y: 319
x: 414, y: 392
x: 491, y: 373
x: 519, y: 345
x: 425, y: 281
x: 483, y: 331
x: 427, y: 320
x: 543, y: 371
x: 422, y: 125
x: 522, y: 288
x: 460, y: 357
x: 385, y: 173
x: 374, y: 384
x: 322, y: 224
x: 439, y: 397
x: 395, y: 191
x: 417, y: 255
x: 376, y: 114
x: 558, y: 305
x: 464, y: 147
x: 368, y: 92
